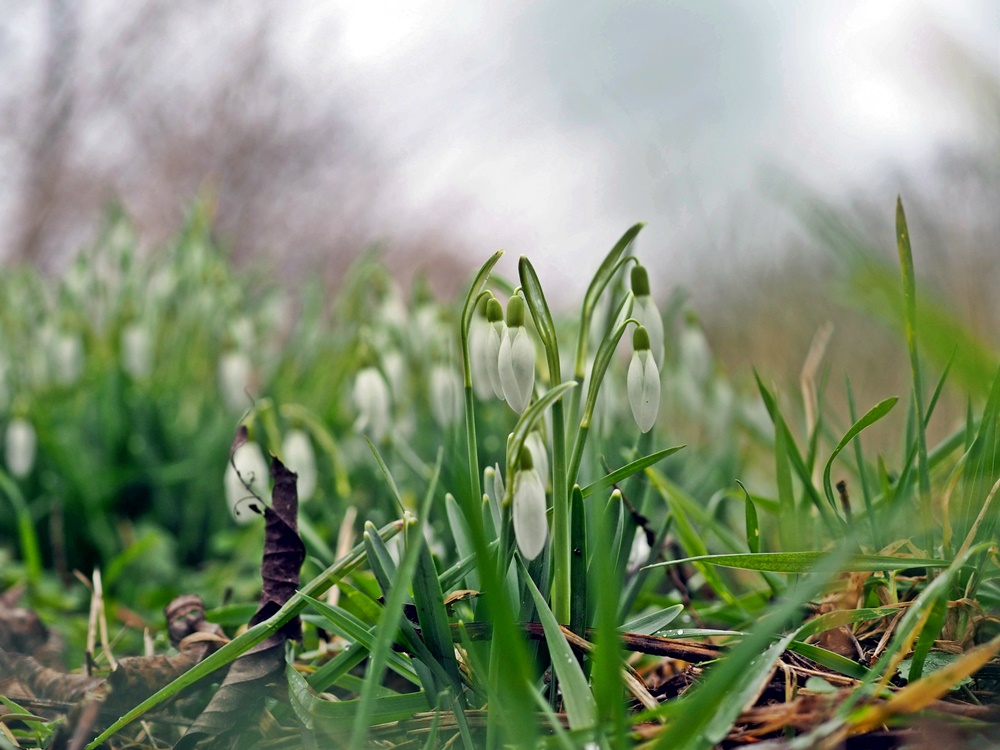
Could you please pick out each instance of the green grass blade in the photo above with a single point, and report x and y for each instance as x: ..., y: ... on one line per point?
x: 581, y: 710
x: 752, y: 524
x: 248, y: 639
x: 910, y: 307
x: 874, y: 415
x: 620, y: 475
x: 706, y: 715
x: 802, y: 562
x: 653, y: 622
x: 605, y: 272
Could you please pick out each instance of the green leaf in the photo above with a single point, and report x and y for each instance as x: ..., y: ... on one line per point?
x: 910, y: 302
x: 874, y: 415
x: 248, y: 639
x: 753, y: 527
x: 581, y: 709
x: 605, y: 272
x: 653, y: 622
x: 802, y: 562
x: 620, y: 475
x: 347, y: 626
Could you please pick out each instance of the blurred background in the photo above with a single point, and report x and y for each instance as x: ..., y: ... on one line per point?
x: 762, y: 143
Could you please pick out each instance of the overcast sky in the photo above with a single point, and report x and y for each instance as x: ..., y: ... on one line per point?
x: 550, y: 127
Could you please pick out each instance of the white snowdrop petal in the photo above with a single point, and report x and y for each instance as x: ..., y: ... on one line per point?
x: 20, y: 445
x: 648, y: 315
x: 234, y: 379
x: 479, y: 334
x: 297, y: 450
x: 644, y: 389
x: 491, y: 354
x: 539, y: 456
x: 371, y: 399
x: 248, y: 468
x: 446, y: 395
x: 137, y: 351
x: 530, y: 525
x: 517, y: 368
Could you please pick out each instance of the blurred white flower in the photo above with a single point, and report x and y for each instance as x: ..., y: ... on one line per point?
x: 516, y: 360
x: 695, y: 354
x: 248, y: 469
x: 539, y: 456
x: 371, y: 399
x: 137, y: 351
x: 235, y: 371
x: 643, y: 382
x: 242, y: 331
x: 20, y: 445
x: 66, y: 358
x: 394, y: 367
x: 647, y: 313
x: 530, y: 525
x: 495, y: 335
x: 446, y: 395
x: 297, y: 450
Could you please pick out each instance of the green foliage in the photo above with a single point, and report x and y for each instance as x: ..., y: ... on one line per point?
x: 446, y: 628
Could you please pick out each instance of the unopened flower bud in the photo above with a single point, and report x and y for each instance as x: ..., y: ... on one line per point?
x: 495, y: 335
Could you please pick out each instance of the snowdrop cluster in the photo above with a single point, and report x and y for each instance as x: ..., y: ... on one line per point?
x: 503, y: 354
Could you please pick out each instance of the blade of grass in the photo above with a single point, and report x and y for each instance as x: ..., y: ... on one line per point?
x: 248, y: 639
x: 620, y: 475
x: 910, y: 302
x: 801, y: 562
x: 579, y: 700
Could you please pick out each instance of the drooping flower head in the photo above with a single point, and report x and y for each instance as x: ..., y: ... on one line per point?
x: 643, y: 382
x: 479, y: 334
x: 647, y: 313
x: 528, y: 508
x: 371, y: 399
x: 299, y: 457
x: 517, y: 358
x: 496, y: 332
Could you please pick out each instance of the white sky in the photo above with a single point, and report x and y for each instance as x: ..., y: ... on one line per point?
x: 550, y: 132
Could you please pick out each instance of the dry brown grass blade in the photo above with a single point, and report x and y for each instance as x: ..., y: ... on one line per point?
x: 920, y: 694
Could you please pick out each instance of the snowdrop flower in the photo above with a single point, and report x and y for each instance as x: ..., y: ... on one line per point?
x: 530, y: 526
x: 234, y: 379
x: 516, y: 360
x: 247, y: 476
x: 371, y: 399
x: 395, y: 369
x: 695, y: 354
x: 643, y: 382
x: 479, y: 334
x: 20, y: 444
x: 66, y: 357
x: 647, y: 313
x: 297, y: 450
x: 137, y: 354
x: 496, y: 333
x: 536, y: 444
x: 446, y: 395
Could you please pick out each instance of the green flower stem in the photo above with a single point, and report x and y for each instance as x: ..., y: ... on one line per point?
x: 475, y: 486
x: 535, y: 298
x: 601, y: 363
